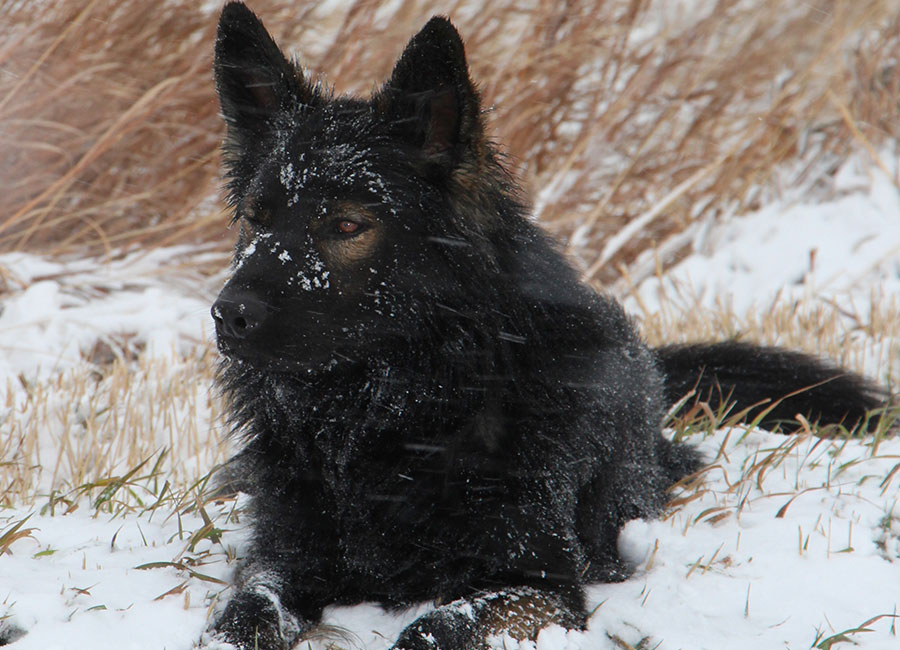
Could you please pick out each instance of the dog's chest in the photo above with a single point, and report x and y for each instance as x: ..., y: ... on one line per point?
x: 402, y: 495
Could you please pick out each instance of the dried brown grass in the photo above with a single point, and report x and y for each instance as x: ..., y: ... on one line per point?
x: 628, y: 128
x: 864, y: 337
x: 109, y: 123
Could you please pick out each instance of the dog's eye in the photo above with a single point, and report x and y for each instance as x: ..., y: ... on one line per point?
x: 252, y: 216
x: 348, y: 227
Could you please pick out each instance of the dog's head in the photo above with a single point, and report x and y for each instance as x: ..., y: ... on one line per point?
x: 358, y: 217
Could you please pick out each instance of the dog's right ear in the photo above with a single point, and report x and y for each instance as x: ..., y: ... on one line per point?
x: 431, y: 100
x: 255, y: 81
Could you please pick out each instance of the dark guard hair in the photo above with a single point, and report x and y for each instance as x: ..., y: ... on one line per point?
x: 429, y: 404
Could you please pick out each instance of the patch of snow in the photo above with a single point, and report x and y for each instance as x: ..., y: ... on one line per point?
x: 794, y: 249
x: 75, y: 582
x: 54, y: 311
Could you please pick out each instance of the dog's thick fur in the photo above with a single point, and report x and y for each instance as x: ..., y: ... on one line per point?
x: 431, y: 406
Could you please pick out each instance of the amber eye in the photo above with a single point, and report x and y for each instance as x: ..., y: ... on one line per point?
x: 251, y: 215
x: 348, y: 227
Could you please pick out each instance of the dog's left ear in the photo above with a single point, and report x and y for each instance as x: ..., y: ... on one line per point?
x: 430, y: 99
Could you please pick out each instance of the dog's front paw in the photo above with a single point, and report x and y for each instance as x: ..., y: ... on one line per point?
x: 253, y: 620
x: 9, y: 631
x: 446, y: 628
x: 212, y: 640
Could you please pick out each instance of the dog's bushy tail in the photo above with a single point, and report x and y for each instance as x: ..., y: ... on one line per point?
x: 755, y: 378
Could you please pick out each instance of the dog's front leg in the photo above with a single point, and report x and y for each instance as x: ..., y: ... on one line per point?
x: 256, y: 618
x: 466, y: 624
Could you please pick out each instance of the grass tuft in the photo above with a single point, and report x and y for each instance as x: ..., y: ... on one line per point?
x: 822, y: 642
x: 143, y: 434
x: 13, y: 533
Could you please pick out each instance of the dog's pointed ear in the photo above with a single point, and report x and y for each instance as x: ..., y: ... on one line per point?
x: 254, y: 80
x: 430, y: 99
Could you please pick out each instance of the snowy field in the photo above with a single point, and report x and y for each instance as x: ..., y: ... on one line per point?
x: 786, y: 542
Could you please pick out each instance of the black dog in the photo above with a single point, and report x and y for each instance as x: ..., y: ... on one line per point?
x: 431, y: 406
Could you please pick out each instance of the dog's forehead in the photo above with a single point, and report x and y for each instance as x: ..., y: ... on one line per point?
x: 341, y: 125
x: 333, y: 153
x: 330, y: 171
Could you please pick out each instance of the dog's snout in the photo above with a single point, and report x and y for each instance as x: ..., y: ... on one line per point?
x: 237, y: 316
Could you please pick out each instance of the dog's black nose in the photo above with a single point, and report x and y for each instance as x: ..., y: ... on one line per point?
x: 236, y: 316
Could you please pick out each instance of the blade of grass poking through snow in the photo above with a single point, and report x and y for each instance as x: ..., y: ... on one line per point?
x: 110, y: 486
x: 13, y: 533
x: 846, y: 636
x: 181, y: 566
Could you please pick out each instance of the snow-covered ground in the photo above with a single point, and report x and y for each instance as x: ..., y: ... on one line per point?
x: 842, y: 247
x: 789, y: 542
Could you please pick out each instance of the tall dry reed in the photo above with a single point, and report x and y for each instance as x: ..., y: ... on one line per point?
x: 613, y: 112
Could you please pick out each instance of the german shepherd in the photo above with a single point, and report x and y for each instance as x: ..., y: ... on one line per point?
x: 430, y: 405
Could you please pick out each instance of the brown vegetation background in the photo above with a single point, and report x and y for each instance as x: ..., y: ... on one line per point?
x: 631, y: 123
x: 610, y: 111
